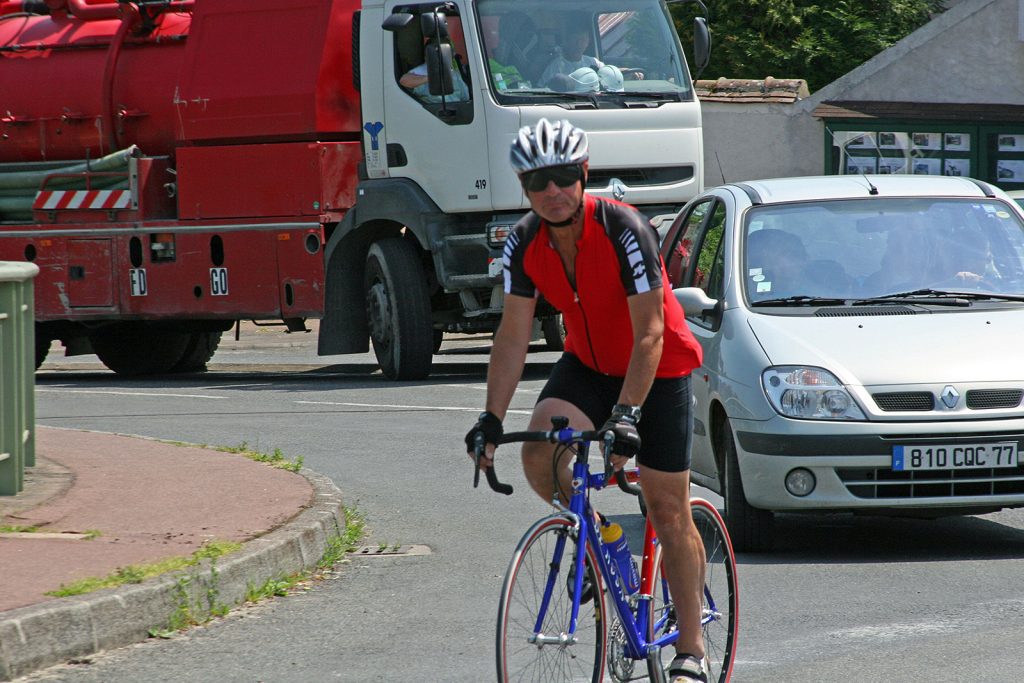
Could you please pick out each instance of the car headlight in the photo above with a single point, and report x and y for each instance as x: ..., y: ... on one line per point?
x: 809, y: 393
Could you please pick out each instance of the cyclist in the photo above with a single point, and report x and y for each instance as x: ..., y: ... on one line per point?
x: 628, y: 352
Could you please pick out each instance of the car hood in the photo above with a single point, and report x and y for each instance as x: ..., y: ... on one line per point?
x: 980, y: 345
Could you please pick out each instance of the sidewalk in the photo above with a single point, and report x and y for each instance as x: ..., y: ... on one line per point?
x: 100, y: 502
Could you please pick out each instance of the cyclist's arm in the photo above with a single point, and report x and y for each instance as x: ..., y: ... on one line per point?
x: 508, y: 352
x: 647, y: 317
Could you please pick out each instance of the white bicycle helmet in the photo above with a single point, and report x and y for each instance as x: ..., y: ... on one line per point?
x: 548, y: 144
x: 584, y: 79
x: 611, y: 78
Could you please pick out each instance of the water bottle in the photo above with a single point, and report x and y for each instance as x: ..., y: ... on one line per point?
x: 615, y: 541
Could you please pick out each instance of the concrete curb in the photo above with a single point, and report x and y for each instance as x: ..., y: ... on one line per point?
x: 53, y: 632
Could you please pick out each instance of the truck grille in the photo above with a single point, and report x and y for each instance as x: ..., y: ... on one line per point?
x: 883, y: 484
x: 638, y: 177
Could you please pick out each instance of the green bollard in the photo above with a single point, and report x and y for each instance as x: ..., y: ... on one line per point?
x: 17, y: 374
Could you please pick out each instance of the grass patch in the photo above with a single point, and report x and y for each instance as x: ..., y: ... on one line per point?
x: 141, y: 572
x: 275, y: 459
x: 335, y: 551
x: 17, y: 529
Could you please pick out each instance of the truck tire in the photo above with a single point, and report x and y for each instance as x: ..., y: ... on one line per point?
x: 139, y: 348
x: 751, y: 529
x: 398, y: 310
x: 554, y: 332
x: 201, y: 347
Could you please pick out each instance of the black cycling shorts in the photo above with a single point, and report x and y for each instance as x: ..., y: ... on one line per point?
x: 665, y: 420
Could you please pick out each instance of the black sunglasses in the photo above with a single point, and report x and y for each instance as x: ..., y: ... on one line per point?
x: 562, y: 176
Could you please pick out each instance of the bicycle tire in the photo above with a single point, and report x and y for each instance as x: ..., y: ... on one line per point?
x: 720, y: 605
x: 519, y: 659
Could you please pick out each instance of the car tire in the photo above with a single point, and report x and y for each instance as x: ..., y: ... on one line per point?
x: 751, y: 529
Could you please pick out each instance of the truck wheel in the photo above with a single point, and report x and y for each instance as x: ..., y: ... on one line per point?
x: 554, y: 332
x: 751, y: 528
x: 201, y: 347
x: 398, y: 310
x: 139, y: 348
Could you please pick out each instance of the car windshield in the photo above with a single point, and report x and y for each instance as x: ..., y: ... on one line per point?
x: 609, y: 53
x: 875, y: 248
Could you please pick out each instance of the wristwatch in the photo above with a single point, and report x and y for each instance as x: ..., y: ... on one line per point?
x: 627, y: 411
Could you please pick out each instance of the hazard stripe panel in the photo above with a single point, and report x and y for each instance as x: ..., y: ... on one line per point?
x: 57, y: 200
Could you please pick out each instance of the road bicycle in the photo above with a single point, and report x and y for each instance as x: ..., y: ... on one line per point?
x: 551, y: 627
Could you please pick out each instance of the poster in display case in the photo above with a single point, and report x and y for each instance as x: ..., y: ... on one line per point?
x: 859, y: 165
x: 892, y: 165
x: 1010, y: 170
x: 956, y: 142
x: 926, y: 140
x: 957, y: 167
x: 1011, y: 143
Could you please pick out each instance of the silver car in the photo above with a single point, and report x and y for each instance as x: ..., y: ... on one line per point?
x: 862, y: 342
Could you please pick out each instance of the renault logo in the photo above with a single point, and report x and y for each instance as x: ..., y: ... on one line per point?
x: 618, y: 189
x: 949, y: 397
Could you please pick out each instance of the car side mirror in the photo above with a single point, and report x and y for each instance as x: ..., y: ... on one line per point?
x: 696, y: 303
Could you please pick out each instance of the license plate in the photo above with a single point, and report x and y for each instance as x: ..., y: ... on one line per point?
x: 954, y: 457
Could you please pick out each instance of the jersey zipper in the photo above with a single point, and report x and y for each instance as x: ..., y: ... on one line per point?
x: 583, y: 312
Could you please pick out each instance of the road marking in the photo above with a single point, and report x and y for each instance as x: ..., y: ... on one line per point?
x: 385, y: 406
x: 126, y: 393
x: 481, y: 387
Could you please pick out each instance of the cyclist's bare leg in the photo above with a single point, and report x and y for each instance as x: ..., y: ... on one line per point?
x: 668, y: 507
x: 537, y: 457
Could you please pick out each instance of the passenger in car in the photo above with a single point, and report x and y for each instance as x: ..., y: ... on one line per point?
x: 776, y: 262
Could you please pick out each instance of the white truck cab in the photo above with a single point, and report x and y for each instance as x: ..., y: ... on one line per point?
x: 444, y: 89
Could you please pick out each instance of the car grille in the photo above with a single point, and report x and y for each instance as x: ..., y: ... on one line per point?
x: 977, y: 399
x: 881, y: 483
x: 905, y: 400
x: 987, y: 399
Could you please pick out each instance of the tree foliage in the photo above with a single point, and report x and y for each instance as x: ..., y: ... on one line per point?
x: 818, y: 41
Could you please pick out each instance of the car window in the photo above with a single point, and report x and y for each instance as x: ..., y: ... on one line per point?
x: 707, y: 272
x: 681, y: 240
x: 874, y: 247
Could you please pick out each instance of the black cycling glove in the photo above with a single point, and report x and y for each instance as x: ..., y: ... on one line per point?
x: 627, y: 439
x: 487, y: 424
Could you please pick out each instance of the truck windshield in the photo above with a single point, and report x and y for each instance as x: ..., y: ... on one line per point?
x: 604, y: 53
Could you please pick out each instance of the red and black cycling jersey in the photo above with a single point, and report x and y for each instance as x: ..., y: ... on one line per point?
x: 616, y: 240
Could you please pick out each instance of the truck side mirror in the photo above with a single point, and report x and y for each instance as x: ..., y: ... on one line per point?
x: 701, y: 45
x: 439, y: 69
x: 434, y: 25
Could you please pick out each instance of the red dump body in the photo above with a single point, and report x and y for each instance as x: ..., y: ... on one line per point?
x: 246, y: 133
x: 229, y: 71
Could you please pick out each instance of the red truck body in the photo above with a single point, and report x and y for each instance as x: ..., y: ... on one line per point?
x: 217, y: 208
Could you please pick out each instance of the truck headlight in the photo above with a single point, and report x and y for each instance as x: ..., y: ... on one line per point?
x: 809, y: 393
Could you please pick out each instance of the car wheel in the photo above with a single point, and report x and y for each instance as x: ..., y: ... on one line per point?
x: 751, y: 528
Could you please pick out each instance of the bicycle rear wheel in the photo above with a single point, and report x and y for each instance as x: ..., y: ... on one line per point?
x: 535, y: 592
x: 720, y: 611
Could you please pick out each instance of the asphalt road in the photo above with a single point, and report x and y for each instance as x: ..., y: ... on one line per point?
x: 840, y: 599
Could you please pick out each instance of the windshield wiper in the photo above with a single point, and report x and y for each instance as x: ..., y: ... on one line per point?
x: 935, y: 297
x: 938, y: 296
x: 800, y: 300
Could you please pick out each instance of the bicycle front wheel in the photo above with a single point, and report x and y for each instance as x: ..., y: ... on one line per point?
x: 534, y: 642
x: 720, y: 608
